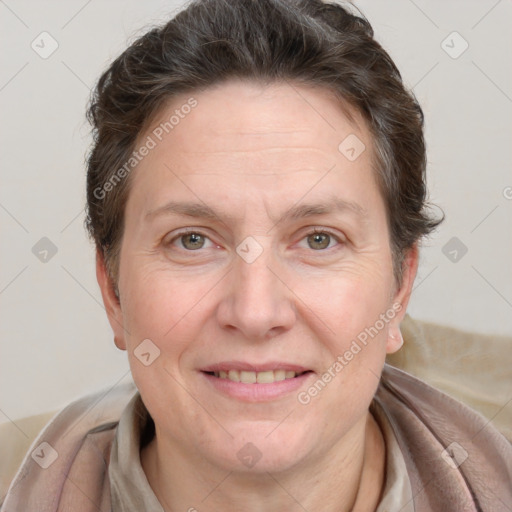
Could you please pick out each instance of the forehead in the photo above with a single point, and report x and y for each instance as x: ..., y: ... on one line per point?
x: 246, y: 141
x: 257, y: 114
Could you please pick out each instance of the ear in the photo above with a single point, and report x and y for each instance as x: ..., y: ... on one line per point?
x: 110, y: 300
x: 401, y: 299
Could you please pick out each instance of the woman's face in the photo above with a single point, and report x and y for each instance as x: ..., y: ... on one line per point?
x: 250, y: 173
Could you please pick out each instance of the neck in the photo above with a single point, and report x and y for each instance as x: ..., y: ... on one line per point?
x: 349, y: 477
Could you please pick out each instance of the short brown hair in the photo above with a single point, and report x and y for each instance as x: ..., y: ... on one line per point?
x: 303, y: 41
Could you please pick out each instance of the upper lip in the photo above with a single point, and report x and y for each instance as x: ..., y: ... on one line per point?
x: 249, y: 367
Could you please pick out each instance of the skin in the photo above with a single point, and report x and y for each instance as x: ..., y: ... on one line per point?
x: 251, y: 152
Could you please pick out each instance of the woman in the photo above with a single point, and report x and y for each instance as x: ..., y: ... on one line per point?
x: 256, y: 193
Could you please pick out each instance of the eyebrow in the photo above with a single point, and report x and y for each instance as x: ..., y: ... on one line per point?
x: 296, y: 212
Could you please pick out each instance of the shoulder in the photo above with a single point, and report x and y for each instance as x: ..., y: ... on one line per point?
x: 454, y: 455
x: 41, y: 441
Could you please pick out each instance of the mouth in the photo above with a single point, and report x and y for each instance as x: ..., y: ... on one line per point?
x: 256, y: 383
x: 252, y: 377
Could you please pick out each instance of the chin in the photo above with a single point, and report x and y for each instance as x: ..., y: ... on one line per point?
x: 265, y: 450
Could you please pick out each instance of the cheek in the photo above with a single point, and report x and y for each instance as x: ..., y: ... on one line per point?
x: 168, y: 313
x: 348, y: 300
x: 158, y: 306
x: 355, y: 344
x: 170, y: 308
x: 348, y: 311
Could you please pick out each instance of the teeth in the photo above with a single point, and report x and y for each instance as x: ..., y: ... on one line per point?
x: 265, y: 377
x: 234, y: 375
x: 279, y: 375
x: 248, y: 377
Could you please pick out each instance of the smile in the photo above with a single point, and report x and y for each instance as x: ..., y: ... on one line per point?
x: 256, y: 382
x: 250, y: 377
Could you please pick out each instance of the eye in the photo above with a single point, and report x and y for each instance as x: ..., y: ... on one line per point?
x: 190, y: 240
x: 320, y: 239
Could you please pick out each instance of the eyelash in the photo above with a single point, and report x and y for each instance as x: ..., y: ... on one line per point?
x: 313, y: 232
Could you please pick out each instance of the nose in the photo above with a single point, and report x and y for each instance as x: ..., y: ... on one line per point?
x: 257, y: 303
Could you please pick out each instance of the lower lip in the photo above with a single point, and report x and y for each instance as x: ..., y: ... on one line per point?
x: 257, y: 392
